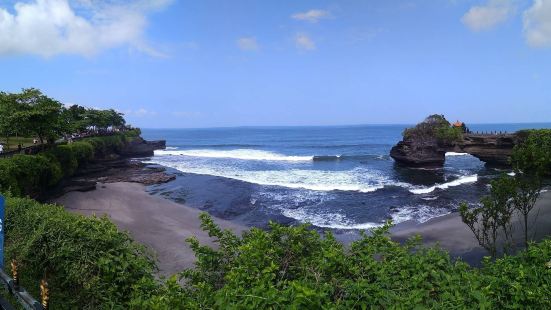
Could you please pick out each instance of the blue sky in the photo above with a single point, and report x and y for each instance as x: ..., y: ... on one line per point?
x: 210, y: 63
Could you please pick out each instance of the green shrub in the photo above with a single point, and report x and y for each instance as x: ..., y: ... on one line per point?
x: 88, y: 262
x: 28, y: 175
x: 293, y: 267
x: 106, y: 145
x: 64, y: 155
x: 83, y: 151
x: 434, y: 127
x: 32, y: 175
x: 133, y: 133
x: 448, y: 134
x: 533, y: 154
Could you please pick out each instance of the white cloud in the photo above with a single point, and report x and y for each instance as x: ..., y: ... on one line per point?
x: 537, y: 24
x: 81, y: 27
x: 312, y: 16
x: 304, y: 42
x: 247, y: 44
x: 485, y: 17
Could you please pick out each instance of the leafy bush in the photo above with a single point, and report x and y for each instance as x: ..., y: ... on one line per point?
x: 448, y: 134
x: 88, y: 262
x: 133, y: 133
x: 293, y: 267
x: 107, y: 144
x: 64, y: 155
x: 533, y: 152
x: 28, y: 175
x: 32, y: 175
x: 83, y: 151
x: 434, y: 127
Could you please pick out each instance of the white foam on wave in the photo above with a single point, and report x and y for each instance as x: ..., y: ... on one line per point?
x: 457, y: 182
x: 358, y: 179
x: 244, y: 154
x: 171, y: 148
x: 419, y: 214
x: 326, y: 220
x: 430, y: 198
x: 456, y: 154
x: 296, y: 178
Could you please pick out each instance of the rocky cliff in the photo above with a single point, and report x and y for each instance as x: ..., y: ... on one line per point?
x: 426, y: 144
x: 492, y: 149
x: 142, y: 148
x: 415, y: 153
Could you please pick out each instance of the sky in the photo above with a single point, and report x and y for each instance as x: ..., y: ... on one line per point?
x: 204, y: 63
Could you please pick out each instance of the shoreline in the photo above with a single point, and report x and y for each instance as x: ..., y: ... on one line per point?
x: 451, y: 234
x: 122, y: 194
x: 129, y: 204
x: 134, y: 210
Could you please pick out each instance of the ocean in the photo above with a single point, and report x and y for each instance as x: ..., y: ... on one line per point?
x: 336, y: 177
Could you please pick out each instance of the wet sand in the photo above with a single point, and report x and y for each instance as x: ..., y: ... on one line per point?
x: 158, y: 223
x: 453, y: 235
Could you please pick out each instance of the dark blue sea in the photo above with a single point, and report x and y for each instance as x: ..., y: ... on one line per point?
x: 338, y: 177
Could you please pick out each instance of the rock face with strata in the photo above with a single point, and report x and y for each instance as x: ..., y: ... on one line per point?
x: 494, y: 150
x: 491, y: 149
x: 142, y: 148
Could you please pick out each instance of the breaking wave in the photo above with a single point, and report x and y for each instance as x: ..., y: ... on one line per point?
x: 419, y: 214
x: 456, y: 154
x: 327, y: 220
x: 244, y: 154
x: 360, y: 180
x: 457, y: 182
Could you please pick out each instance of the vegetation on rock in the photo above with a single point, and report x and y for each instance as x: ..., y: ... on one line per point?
x: 434, y: 127
x: 33, y: 175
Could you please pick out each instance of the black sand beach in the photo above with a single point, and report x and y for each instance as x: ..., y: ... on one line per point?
x: 163, y: 225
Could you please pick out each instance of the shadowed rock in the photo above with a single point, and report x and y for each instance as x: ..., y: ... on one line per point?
x: 423, y: 147
x: 140, y: 147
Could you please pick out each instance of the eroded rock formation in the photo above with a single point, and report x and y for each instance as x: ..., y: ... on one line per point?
x: 142, y: 148
x: 423, y: 146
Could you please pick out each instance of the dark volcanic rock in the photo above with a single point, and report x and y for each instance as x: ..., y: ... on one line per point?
x: 140, y: 147
x: 494, y: 150
x: 426, y: 144
x: 491, y: 149
x: 418, y: 153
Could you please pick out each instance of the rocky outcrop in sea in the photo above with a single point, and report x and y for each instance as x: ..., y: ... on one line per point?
x: 427, y: 143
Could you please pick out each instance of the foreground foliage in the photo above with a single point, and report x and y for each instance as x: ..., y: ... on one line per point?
x: 89, y: 264
x: 293, y: 267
